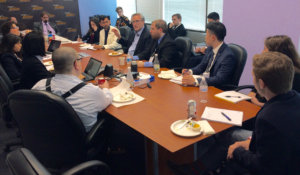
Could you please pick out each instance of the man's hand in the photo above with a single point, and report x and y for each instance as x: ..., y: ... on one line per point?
x: 245, y: 144
x: 171, y: 25
x: 104, y: 85
x: 188, y: 80
x: 186, y: 72
x: 200, y: 49
x: 140, y: 64
x: 98, y: 47
x: 116, y: 33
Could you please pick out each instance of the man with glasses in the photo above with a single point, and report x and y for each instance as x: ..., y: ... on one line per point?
x: 45, y: 26
x: 139, y: 37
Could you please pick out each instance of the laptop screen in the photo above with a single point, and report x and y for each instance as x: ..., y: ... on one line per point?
x: 54, y: 44
x: 93, y: 67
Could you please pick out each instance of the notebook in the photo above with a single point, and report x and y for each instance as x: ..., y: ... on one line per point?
x: 92, y: 69
x: 232, y: 96
x: 223, y: 115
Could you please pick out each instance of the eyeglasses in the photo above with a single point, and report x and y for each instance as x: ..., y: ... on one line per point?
x: 136, y: 21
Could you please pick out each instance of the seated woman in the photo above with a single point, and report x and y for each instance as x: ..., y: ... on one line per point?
x: 33, y: 68
x: 10, y: 27
x: 92, y: 35
x: 10, y: 58
x: 282, y: 44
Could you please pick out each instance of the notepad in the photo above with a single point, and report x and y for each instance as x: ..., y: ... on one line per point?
x: 215, y: 114
x: 232, y: 96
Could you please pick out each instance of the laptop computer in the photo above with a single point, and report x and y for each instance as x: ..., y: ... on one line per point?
x: 92, y: 69
x: 54, y: 44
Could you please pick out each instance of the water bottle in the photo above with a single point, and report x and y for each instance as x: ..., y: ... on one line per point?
x: 192, y: 108
x: 129, y: 77
x: 156, y: 65
x: 50, y: 37
x: 203, y: 88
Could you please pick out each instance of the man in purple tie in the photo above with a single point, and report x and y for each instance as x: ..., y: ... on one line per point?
x: 45, y: 26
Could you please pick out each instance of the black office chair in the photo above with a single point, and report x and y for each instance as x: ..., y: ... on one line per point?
x: 52, y: 130
x: 5, y: 90
x: 23, y: 162
x: 184, y: 46
x: 125, y: 31
x: 241, y: 56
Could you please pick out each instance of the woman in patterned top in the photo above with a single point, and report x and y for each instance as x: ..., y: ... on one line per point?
x: 122, y: 20
x: 92, y: 35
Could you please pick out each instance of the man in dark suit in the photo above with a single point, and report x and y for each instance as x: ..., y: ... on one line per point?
x: 175, y: 28
x: 139, y: 37
x: 45, y: 26
x: 218, y: 64
x: 162, y: 45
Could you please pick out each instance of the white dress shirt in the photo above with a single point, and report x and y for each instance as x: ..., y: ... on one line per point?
x: 87, y: 101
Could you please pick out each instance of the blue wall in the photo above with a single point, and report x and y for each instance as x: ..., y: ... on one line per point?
x: 89, y: 8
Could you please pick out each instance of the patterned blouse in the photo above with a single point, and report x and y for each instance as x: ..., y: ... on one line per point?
x: 122, y: 21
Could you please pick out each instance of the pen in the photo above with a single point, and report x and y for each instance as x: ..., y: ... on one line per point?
x: 228, y: 118
x: 230, y: 96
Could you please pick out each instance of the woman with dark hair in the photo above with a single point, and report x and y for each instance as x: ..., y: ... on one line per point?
x: 282, y: 44
x: 10, y: 59
x: 92, y: 35
x: 33, y: 68
x: 10, y: 27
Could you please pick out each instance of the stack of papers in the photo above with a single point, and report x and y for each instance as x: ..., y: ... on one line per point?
x: 62, y: 39
x: 87, y: 46
x: 232, y: 96
x: 223, y: 116
x: 178, y: 80
x: 167, y: 74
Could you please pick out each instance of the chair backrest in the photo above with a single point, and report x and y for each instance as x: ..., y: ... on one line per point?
x: 5, y: 90
x: 241, y: 56
x: 23, y: 162
x: 184, y: 46
x: 296, y: 82
x: 6, y: 78
x: 49, y: 127
x: 125, y: 31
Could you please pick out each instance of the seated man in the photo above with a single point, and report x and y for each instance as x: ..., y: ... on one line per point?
x: 87, y: 101
x: 161, y: 44
x: 45, y: 26
x: 107, y: 38
x: 218, y: 64
x: 139, y: 37
x: 274, y: 148
x: 175, y: 28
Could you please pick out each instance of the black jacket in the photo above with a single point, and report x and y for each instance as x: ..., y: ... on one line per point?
x: 38, y: 26
x: 33, y: 71
x: 166, y: 50
x: 179, y: 31
x: 88, y: 37
x: 143, y: 43
x: 11, y: 65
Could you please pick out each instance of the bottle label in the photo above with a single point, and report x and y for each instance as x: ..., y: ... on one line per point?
x: 156, y: 67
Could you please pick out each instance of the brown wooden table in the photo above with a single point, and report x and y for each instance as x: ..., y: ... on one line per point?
x: 165, y: 103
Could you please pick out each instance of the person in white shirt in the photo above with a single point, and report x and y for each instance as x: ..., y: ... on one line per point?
x: 89, y: 100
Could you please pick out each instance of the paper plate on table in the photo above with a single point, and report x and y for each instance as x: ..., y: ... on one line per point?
x: 186, y: 131
x: 48, y: 63
x: 84, y: 45
x: 124, y: 97
x: 115, y: 53
x: 167, y: 76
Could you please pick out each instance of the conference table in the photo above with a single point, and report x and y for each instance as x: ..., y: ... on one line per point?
x: 165, y: 103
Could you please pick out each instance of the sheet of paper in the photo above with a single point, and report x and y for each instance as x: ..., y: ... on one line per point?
x: 232, y: 96
x: 215, y: 114
x: 178, y: 80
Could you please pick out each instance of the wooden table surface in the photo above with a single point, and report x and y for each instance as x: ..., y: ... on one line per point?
x: 165, y: 103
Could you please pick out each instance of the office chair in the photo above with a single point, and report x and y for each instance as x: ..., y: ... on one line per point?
x: 184, y: 47
x: 125, y: 32
x: 241, y: 56
x: 52, y: 130
x: 23, y: 162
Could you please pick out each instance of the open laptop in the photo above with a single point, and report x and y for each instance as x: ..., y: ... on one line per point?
x: 92, y: 69
x: 54, y: 44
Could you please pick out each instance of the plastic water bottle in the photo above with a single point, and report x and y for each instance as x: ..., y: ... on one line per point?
x: 203, y: 88
x: 50, y: 37
x: 156, y: 65
x: 129, y: 77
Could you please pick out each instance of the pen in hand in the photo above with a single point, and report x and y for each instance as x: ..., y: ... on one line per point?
x: 226, y: 116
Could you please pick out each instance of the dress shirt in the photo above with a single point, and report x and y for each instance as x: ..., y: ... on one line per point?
x: 135, y: 42
x: 46, y: 28
x: 87, y: 101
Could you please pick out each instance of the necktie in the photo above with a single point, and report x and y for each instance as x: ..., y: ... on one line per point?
x: 210, y: 63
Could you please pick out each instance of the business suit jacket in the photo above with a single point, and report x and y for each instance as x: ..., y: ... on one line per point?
x: 38, y: 26
x: 166, y: 50
x: 275, y: 144
x: 144, y: 41
x: 112, y: 39
x: 11, y: 65
x: 88, y: 36
x: 179, y: 31
x: 222, y: 69
x: 33, y: 70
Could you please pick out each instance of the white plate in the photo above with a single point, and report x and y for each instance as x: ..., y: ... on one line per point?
x: 184, y: 131
x: 48, y: 63
x: 115, y: 53
x: 143, y: 75
x: 124, y: 97
x: 167, y: 76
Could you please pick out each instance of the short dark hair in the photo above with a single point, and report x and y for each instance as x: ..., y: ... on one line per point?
x: 5, y: 28
x: 34, y: 44
x: 102, y: 17
x: 178, y: 15
x: 8, y: 43
x: 218, y: 29
x: 44, y: 13
x: 213, y: 15
x: 118, y: 8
